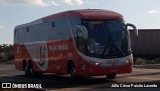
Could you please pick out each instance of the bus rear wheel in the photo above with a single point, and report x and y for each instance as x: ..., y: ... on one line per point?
x: 29, y: 70
x: 111, y: 76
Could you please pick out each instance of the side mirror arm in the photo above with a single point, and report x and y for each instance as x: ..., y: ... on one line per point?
x: 134, y: 28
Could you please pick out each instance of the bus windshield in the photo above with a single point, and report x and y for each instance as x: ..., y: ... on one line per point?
x: 107, y: 38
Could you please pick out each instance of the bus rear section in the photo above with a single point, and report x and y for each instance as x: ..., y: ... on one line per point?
x: 88, y: 42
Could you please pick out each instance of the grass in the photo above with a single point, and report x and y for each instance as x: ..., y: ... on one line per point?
x: 141, y: 61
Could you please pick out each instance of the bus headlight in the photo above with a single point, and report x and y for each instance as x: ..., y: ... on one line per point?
x: 127, y: 62
x: 95, y: 63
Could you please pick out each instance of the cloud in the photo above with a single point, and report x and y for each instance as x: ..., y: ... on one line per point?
x: 53, y: 3
x: 1, y: 27
x: 92, y: 3
x: 25, y: 2
x: 153, y: 12
x: 73, y: 2
x: 78, y: 2
x: 45, y: 3
x: 68, y: 2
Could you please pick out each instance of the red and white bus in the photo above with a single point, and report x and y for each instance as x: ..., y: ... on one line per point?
x: 90, y: 42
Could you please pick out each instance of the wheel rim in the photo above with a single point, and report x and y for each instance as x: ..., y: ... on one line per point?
x: 26, y: 69
x: 31, y: 71
x: 73, y: 72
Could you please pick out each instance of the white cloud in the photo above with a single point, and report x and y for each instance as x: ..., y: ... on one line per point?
x: 25, y: 2
x: 1, y: 27
x: 53, y: 3
x: 39, y: 2
x: 73, y: 2
x: 68, y: 2
x: 78, y: 2
x: 153, y: 12
x: 92, y: 3
x: 47, y: 2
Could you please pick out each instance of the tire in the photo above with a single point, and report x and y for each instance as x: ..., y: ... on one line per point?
x: 37, y: 74
x: 29, y: 70
x: 73, y: 73
x: 111, y: 76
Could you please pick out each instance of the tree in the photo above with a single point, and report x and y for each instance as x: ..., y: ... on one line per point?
x: 6, y: 52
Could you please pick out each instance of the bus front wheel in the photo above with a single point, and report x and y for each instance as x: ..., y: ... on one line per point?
x: 111, y: 76
x: 73, y: 72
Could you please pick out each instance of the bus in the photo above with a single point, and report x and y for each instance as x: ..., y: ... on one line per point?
x: 85, y: 42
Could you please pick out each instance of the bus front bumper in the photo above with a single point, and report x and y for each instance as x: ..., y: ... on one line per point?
x: 99, y: 70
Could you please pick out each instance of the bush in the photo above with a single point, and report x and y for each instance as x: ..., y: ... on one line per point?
x: 140, y: 61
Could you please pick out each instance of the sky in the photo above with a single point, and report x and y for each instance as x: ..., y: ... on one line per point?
x: 145, y: 14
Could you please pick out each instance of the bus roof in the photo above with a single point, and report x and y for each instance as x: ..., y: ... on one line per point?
x: 84, y: 13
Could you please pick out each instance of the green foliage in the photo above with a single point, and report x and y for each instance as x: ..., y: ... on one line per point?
x: 141, y: 61
x: 6, y: 52
x: 150, y: 61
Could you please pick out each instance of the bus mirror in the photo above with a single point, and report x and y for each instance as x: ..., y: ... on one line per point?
x: 80, y: 28
x: 134, y: 28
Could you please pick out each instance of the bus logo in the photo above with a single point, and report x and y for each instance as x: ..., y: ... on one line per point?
x: 42, y: 56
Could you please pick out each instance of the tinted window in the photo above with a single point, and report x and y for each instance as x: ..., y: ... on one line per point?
x: 35, y: 32
x: 60, y: 31
x: 74, y: 22
x: 16, y: 36
x: 27, y: 34
x: 21, y: 35
x: 65, y: 28
x: 43, y: 28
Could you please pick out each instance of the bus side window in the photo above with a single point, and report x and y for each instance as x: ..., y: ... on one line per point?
x: 15, y: 32
x: 52, y: 30
x: 43, y: 31
x: 21, y: 35
x: 53, y: 24
x: 66, y: 32
x: 56, y: 30
x: 27, y: 34
x: 27, y: 29
x: 60, y: 29
x: 35, y: 32
x: 16, y: 35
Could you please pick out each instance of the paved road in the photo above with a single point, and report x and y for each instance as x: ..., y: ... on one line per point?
x: 54, y: 82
